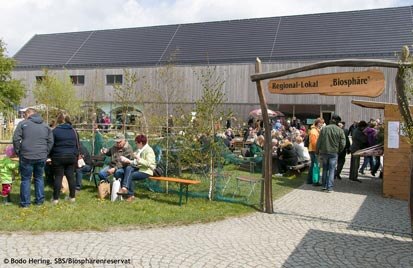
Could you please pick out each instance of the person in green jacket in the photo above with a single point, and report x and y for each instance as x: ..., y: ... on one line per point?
x: 256, y: 152
x: 331, y: 141
x: 8, y: 168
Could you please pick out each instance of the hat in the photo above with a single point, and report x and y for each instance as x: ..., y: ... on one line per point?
x: 119, y: 137
x: 336, y: 118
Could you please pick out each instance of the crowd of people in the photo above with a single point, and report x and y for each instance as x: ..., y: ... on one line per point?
x: 324, y: 146
x: 57, y: 148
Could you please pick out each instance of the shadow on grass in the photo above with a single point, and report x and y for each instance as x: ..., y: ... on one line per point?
x: 290, y: 181
x: 159, y: 198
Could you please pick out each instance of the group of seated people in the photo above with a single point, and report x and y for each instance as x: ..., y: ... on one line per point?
x: 287, y: 146
x: 127, y: 165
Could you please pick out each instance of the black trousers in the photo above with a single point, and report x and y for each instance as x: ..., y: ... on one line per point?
x: 354, y: 167
x: 64, y: 165
x: 341, y: 160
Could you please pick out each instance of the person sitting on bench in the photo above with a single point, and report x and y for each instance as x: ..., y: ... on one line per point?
x: 80, y: 171
x: 116, y: 167
x: 287, y: 156
x: 139, y: 168
x: 302, y: 152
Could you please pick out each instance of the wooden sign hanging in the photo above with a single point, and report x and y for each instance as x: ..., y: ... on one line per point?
x: 366, y: 84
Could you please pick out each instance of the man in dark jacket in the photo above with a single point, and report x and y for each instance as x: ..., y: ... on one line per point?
x: 32, y: 141
x: 342, y: 155
x: 331, y: 141
x: 359, y: 141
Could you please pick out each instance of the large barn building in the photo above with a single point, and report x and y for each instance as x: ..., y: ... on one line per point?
x: 97, y: 59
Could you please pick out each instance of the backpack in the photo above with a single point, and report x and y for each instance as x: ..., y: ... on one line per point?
x: 158, y: 171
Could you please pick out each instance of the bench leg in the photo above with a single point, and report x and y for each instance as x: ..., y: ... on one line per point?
x: 186, y: 186
x: 180, y: 193
x: 252, y: 186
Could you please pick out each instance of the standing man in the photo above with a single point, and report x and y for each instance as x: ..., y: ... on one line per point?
x: 342, y: 155
x: 32, y: 141
x: 330, y: 142
x: 359, y: 141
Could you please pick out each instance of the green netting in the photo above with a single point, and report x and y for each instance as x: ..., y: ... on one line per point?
x: 229, y: 183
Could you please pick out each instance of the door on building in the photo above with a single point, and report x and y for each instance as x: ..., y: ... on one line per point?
x: 327, y: 116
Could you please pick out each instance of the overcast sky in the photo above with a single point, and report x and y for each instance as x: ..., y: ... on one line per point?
x: 20, y: 20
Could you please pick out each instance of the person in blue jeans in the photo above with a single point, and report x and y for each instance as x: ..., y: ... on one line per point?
x: 116, y: 167
x: 331, y: 141
x: 139, y: 168
x: 32, y: 142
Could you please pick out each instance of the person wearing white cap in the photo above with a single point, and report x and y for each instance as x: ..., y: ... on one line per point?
x: 116, y: 166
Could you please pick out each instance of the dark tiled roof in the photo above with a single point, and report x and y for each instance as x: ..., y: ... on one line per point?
x: 377, y: 33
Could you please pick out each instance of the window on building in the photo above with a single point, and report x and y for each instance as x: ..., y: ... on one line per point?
x: 77, y: 79
x: 40, y: 78
x: 112, y: 79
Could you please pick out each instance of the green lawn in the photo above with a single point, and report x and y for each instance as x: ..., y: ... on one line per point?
x: 149, y: 209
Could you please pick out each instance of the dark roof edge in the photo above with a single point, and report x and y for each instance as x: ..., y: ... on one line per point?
x: 392, y: 55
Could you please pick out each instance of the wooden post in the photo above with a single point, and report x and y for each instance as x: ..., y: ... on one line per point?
x: 403, y: 104
x: 268, y: 203
x: 259, y: 76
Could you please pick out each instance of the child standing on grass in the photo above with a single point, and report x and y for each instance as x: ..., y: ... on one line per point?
x: 8, y: 168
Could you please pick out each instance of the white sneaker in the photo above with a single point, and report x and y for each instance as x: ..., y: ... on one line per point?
x: 278, y: 175
x: 71, y: 200
x: 55, y: 201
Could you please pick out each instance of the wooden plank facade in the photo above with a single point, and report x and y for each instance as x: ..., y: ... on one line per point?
x: 240, y: 91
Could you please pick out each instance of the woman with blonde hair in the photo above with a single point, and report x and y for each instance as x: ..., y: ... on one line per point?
x: 64, y: 156
x: 287, y: 155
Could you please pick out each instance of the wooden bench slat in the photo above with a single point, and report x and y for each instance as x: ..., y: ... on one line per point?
x: 178, y: 180
x: 183, y: 184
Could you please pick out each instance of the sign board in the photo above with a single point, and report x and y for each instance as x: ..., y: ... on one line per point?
x: 393, y: 139
x: 367, y: 84
x: 309, y: 121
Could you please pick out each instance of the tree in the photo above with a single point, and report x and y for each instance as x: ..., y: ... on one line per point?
x: 165, y: 102
x: 201, y: 145
x: 166, y: 98
x: 128, y: 95
x: 57, y: 94
x: 11, y: 90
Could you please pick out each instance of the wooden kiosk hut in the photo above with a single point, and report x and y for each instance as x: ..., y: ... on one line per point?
x: 396, y: 157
